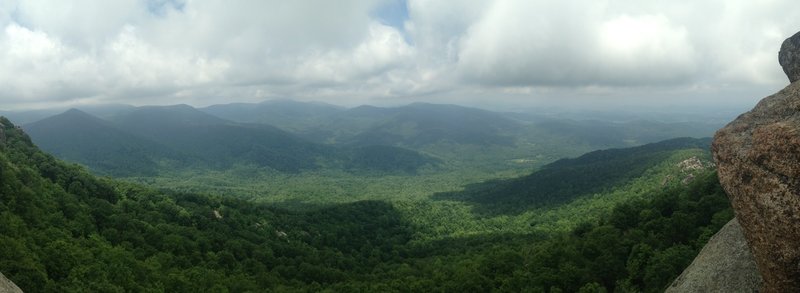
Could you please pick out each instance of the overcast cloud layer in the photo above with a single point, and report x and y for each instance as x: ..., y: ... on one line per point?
x: 391, y: 51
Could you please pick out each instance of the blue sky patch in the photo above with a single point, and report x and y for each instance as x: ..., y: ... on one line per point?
x: 160, y: 7
x: 392, y: 13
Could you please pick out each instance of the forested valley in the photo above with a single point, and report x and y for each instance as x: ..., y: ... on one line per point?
x: 343, y: 215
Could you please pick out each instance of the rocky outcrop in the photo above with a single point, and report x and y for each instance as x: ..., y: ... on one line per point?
x: 789, y: 57
x: 6, y: 286
x: 724, y: 265
x: 758, y: 161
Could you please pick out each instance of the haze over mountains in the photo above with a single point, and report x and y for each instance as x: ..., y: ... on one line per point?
x: 368, y: 186
x: 458, y: 146
x: 143, y: 141
x: 79, y: 137
x: 59, y: 221
x: 290, y: 136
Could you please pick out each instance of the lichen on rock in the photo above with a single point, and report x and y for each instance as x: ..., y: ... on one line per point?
x: 724, y: 265
x: 758, y: 162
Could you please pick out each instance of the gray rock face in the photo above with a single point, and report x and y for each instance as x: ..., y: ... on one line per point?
x: 724, y: 265
x: 6, y: 286
x: 789, y: 57
x: 758, y: 162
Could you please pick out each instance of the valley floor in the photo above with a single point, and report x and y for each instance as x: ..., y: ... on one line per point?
x: 624, y: 220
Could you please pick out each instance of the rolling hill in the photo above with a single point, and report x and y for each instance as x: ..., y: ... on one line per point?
x: 421, y: 124
x: 568, y: 179
x: 79, y: 137
x: 149, y: 141
x: 64, y: 230
x: 463, y: 136
x: 413, y: 126
x: 605, y: 134
x: 222, y: 143
x: 286, y: 114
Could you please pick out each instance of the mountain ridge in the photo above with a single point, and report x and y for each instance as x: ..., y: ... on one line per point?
x: 149, y: 139
x: 77, y: 136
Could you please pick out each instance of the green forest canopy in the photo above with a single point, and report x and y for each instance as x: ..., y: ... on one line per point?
x: 64, y: 230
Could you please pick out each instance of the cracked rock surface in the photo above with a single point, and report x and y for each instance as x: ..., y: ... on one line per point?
x: 758, y: 161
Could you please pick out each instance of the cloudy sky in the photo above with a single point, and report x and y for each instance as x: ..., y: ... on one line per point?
x: 502, y: 52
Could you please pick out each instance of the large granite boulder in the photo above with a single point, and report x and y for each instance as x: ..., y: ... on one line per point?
x: 724, y: 265
x: 758, y: 160
x: 789, y: 57
x: 6, y: 286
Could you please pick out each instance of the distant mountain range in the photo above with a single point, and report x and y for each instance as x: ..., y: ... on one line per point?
x: 65, y: 230
x: 420, y: 124
x: 147, y: 140
x: 291, y: 136
x: 79, y: 137
x: 288, y: 114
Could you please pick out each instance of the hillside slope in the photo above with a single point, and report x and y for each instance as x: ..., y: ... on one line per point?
x: 286, y: 114
x: 153, y: 141
x: 568, y: 179
x: 79, y: 137
x: 64, y: 230
x: 421, y: 124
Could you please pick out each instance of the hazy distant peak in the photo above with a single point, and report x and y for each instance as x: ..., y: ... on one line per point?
x: 168, y: 107
x: 367, y: 108
x: 172, y: 115
x: 72, y: 114
x: 75, y: 111
x: 72, y: 119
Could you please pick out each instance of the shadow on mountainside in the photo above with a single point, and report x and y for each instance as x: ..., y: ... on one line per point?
x: 568, y: 179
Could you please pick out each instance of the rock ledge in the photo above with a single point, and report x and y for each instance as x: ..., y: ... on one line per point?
x: 758, y: 162
x: 724, y: 265
x: 6, y: 286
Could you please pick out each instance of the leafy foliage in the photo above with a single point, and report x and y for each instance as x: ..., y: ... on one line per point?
x: 64, y: 230
x: 387, y: 159
x: 566, y: 179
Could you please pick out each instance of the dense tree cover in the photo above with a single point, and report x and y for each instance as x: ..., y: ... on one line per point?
x: 152, y: 141
x: 387, y: 159
x: 288, y: 114
x: 79, y: 137
x: 418, y: 125
x: 64, y: 230
x: 422, y: 124
x: 566, y: 179
x: 416, y: 196
x: 605, y: 134
x: 640, y: 247
x: 179, y: 146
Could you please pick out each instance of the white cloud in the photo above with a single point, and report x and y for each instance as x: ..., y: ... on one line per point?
x: 37, y: 67
x: 384, y: 48
x: 598, y: 43
x: 134, y: 64
x: 207, y: 51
